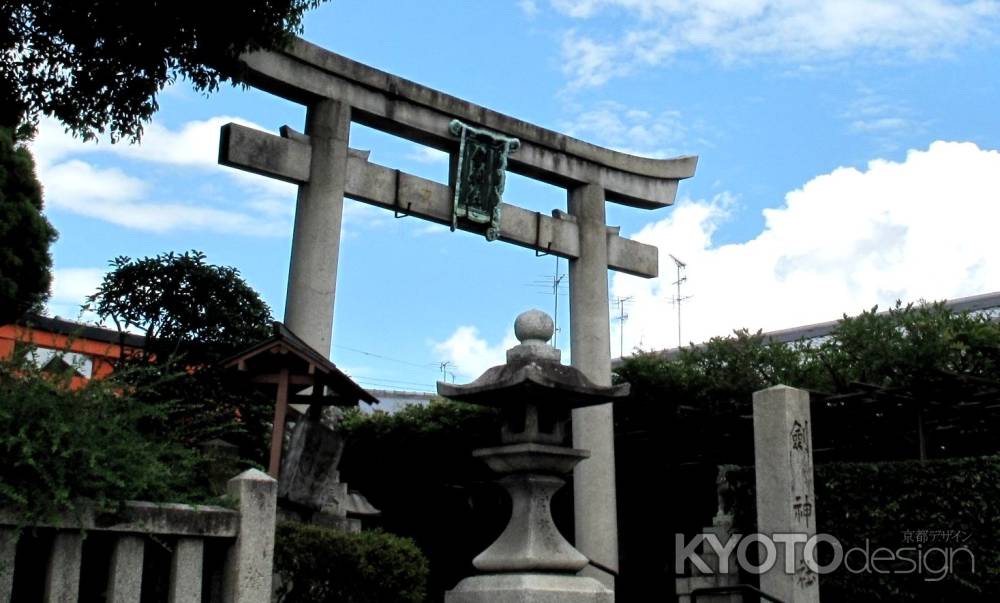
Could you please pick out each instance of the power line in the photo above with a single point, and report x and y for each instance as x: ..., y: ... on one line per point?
x: 386, y: 379
x: 381, y: 357
x: 418, y: 387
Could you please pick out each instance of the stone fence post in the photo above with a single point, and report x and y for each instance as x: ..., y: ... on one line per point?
x: 249, y: 530
x: 8, y: 549
x: 249, y: 565
x: 786, y: 499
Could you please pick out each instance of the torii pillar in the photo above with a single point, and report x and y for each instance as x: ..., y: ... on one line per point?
x: 595, y: 507
x: 319, y: 212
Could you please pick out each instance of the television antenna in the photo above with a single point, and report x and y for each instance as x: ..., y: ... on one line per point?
x: 678, y: 298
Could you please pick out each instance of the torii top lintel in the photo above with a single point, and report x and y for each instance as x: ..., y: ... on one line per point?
x: 305, y: 72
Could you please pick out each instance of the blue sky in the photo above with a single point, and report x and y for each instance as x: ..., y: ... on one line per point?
x: 848, y: 157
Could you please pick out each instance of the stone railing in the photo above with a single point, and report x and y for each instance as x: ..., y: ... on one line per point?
x: 224, y: 554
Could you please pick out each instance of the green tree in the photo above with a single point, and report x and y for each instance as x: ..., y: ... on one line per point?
x: 901, y: 358
x: 98, y: 65
x: 25, y: 234
x: 193, y: 314
x: 182, y: 304
x: 910, y: 347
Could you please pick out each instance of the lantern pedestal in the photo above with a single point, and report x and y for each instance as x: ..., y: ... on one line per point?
x: 529, y: 588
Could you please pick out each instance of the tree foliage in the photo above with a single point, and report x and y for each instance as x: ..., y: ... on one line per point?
x: 906, y: 346
x: 99, y: 64
x: 909, y: 347
x: 25, y: 234
x: 910, y: 352
x: 193, y: 314
x: 717, y: 376
x: 61, y: 446
x: 182, y: 304
x: 938, y: 504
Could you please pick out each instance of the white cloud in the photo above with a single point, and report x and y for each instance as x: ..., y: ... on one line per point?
x: 424, y: 154
x: 70, y: 288
x: 75, y: 184
x: 879, y: 124
x: 129, y: 196
x: 656, y: 30
x: 72, y: 285
x: 922, y: 228
x: 630, y: 130
x: 590, y: 63
x: 429, y: 229
x: 359, y: 216
x: 882, y: 117
x: 468, y: 354
x: 111, y: 195
x: 528, y: 7
x: 196, y: 143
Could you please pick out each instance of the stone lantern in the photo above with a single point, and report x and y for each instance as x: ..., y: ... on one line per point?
x: 531, y: 562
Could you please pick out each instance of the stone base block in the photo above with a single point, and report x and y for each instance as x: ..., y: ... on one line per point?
x: 687, y: 584
x: 529, y: 588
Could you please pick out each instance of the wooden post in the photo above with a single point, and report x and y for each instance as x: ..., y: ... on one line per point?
x: 278, y: 431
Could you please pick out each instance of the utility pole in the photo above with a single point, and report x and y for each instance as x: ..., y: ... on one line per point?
x: 622, y: 317
x: 678, y: 298
x: 444, y: 370
x: 556, y: 280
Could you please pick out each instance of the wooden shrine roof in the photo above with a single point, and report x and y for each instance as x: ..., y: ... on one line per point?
x: 284, y: 350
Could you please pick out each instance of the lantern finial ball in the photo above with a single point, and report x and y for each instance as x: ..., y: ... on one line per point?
x: 533, y: 326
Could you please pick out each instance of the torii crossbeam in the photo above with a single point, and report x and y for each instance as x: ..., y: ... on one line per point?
x: 336, y: 91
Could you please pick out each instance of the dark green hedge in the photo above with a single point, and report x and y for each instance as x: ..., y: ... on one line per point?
x: 320, y: 565
x: 896, y: 505
x: 416, y: 466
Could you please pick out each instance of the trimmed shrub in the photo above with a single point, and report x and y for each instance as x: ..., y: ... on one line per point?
x: 922, y: 505
x: 320, y: 565
x: 416, y: 466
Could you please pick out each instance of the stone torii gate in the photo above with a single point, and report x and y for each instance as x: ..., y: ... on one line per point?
x: 336, y: 91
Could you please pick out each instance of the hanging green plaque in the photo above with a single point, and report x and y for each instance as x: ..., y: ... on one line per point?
x: 482, y: 170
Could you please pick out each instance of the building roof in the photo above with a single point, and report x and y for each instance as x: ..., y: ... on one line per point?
x: 286, y: 350
x: 81, y: 330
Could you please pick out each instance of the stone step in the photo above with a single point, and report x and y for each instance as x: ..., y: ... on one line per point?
x: 713, y: 599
